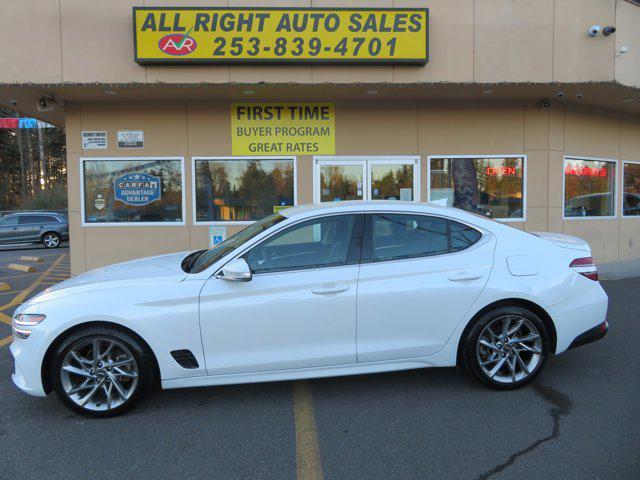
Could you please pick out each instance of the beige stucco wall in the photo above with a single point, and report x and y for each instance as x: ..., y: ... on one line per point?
x: 189, y: 129
x: 79, y: 41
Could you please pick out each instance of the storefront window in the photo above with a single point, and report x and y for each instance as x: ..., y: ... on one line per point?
x: 631, y: 189
x: 137, y: 190
x: 238, y: 189
x: 588, y: 188
x: 492, y: 186
x: 392, y: 182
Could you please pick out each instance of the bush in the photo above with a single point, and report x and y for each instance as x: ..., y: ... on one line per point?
x: 51, y: 199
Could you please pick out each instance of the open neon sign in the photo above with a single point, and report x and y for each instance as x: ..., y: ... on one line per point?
x: 585, y: 171
x: 491, y: 171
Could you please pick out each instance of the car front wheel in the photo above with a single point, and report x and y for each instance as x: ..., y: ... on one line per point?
x: 51, y: 240
x: 506, y: 348
x: 102, y: 372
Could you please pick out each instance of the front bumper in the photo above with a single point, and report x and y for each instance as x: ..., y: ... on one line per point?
x: 591, y: 335
x: 27, y: 374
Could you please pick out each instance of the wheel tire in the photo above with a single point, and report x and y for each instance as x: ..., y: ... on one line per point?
x: 124, y: 343
x: 474, y: 353
x: 51, y: 240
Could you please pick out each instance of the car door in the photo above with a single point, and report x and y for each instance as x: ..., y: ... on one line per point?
x: 418, y: 277
x: 299, y: 308
x: 9, y: 232
x: 30, y: 227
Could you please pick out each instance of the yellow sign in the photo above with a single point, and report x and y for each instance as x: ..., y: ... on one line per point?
x: 226, y: 35
x: 283, y: 128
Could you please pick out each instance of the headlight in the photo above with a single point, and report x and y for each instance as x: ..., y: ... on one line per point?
x: 25, y: 320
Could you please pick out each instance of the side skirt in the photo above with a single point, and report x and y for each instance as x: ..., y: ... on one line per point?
x: 444, y: 358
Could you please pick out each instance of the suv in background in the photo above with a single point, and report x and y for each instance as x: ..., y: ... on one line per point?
x: 47, y: 228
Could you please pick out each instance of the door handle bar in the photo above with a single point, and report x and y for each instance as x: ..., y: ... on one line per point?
x: 464, y: 276
x: 327, y: 290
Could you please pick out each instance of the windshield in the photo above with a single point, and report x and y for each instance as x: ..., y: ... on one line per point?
x: 209, y: 257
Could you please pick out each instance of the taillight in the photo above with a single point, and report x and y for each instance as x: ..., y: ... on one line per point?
x: 586, y: 267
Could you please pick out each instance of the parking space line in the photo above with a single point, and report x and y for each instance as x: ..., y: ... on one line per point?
x: 20, y: 275
x: 308, y: 465
x: 5, y: 341
x: 23, y: 294
x: 5, y: 318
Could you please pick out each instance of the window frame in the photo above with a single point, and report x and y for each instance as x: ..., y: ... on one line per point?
x: 367, y: 161
x: 133, y: 224
x: 614, y: 194
x: 367, y: 229
x: 231, y: 158
x: 525, y: 162
x: 622, y: 192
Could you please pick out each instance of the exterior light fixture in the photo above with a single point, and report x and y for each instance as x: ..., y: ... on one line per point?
x: 489, y: 91
x: 111, y: 92
x: 372, y: 92
x: 248, y: 92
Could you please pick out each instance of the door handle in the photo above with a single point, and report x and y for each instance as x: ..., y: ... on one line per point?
x: 462, y: 276
x: 327, y: 290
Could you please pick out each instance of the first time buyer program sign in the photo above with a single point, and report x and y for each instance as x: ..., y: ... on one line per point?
x: 283, y: 128
x: 226, y: 35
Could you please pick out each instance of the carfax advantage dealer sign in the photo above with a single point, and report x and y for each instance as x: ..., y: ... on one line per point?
x: 193, y: 35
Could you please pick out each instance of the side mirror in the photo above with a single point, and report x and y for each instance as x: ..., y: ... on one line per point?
x: 236, y: 271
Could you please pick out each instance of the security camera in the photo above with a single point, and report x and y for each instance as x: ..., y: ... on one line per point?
x: 594, y: 30
x: 560, y: 94
x: 13, y: 102
x: 579, y: 95
x: 545, y: 104
x: 47, y: 103
x: 608, y: 30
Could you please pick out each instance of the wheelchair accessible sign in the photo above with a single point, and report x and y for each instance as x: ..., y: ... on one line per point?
x: 137, y: 189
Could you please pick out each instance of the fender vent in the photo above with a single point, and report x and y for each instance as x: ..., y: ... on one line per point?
x: 185, y: 358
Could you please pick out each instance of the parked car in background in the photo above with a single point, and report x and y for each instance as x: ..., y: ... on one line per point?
x: 47, y: 228
x: 314, y: 291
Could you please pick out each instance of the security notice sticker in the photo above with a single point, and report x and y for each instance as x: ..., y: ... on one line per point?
x: 194, y: 35
x: 283, y: 128
x: 94, y: 140
x: 130, y: 139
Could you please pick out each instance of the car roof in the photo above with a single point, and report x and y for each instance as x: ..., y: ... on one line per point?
x: 19, y: 214
x: 373, y: 205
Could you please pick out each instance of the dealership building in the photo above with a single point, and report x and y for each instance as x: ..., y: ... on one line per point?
x: 185, y: 124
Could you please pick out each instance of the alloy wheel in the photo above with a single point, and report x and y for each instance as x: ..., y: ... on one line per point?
x: 51, y: 240
x: 99, y: 374
x: 509, y: 349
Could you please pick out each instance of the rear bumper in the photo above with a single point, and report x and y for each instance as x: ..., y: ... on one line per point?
x: 591, y: 335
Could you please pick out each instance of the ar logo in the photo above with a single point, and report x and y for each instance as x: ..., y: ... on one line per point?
x: 177, y: 44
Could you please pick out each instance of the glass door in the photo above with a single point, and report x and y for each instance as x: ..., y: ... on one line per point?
x: 366, y: 178
x: 391, y: 179
x: 339, y: 180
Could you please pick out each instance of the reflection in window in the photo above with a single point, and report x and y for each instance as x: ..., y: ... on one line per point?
x: 631, y: 189
x: 588, y: 188
x: 392, y: 182
x: 492, y: 187
x: 242, y: 189
x: 140, y: 190
x: 341, y: 182
x: 316, y: 243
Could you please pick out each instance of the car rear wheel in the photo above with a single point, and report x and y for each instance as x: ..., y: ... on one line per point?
x: 51, y: 240
x: 506, y: 348
x: 102, y: 372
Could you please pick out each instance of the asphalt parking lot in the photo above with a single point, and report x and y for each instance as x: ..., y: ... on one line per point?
x: 579, y: 420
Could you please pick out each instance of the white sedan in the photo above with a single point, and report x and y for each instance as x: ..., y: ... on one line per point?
x: 314, y: 291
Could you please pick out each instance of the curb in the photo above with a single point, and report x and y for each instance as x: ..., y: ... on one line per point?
x: 32, y: 259
x: 21, y: 268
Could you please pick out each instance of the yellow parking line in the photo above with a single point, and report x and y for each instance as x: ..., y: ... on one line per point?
x: 18, y: 299
x: 21, y: 275
x: 5, y: 340
x: 5, y: 318
x: 308, y: 466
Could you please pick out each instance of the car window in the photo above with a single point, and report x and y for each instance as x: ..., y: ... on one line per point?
x: 27, y: 219
x: 322, y: 242
x: 8, y: 221
x: 462, y: 236
x: 392, y: 236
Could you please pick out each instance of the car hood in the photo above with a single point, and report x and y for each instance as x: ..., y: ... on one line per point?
x: 131, y: 272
